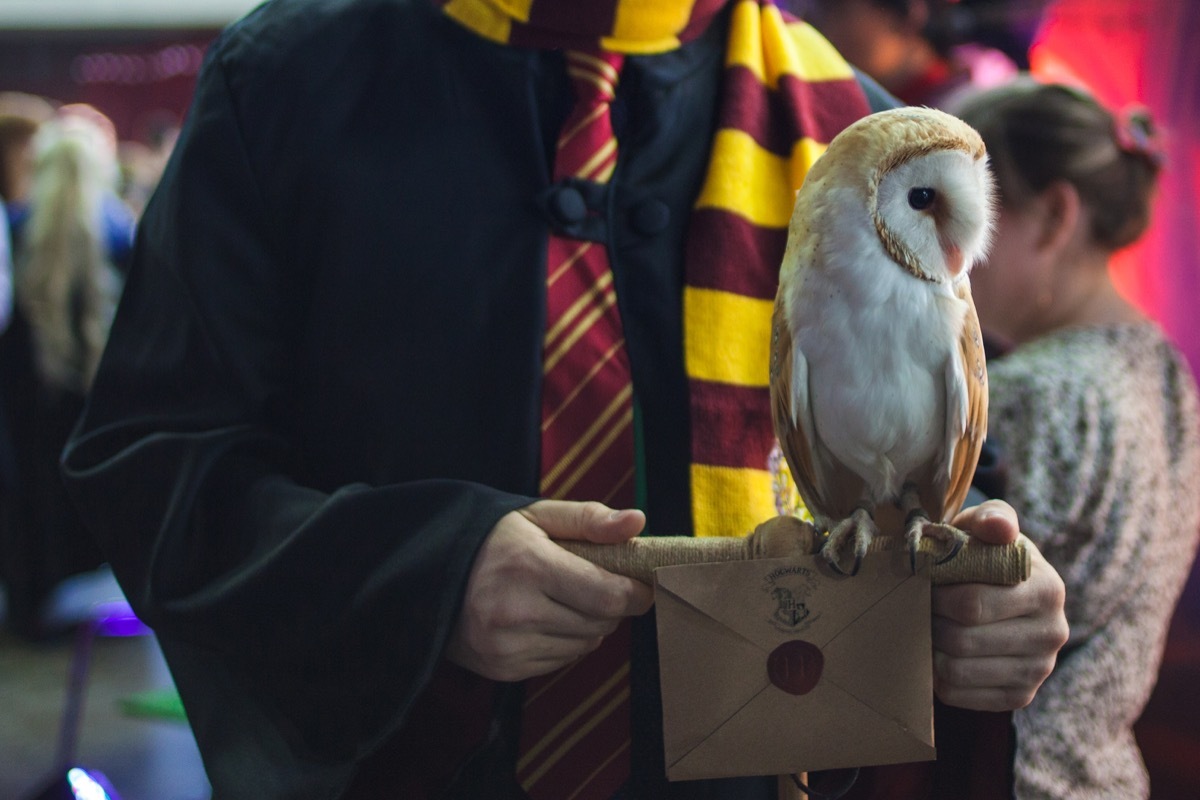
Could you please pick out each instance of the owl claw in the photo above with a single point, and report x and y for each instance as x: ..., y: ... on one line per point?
x: 858, y: 528
x: 958, y: 545
x: 918, y: 526
x: 833, y: 565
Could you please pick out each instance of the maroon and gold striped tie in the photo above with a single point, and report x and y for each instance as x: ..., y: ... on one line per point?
x: 575, y: 729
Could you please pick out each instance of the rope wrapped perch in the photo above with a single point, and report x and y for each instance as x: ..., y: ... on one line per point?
x: 781, y: 537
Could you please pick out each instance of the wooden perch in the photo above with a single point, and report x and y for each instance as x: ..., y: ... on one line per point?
x: 1003, y: 565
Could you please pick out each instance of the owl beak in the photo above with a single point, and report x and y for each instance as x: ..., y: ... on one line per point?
x: 954, y: 259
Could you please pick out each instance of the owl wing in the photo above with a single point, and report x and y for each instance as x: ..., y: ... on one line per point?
x: 966, y: 407
x: 790, y: 411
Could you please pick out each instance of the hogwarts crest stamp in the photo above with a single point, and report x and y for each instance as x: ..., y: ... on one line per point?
x: 790, y: 589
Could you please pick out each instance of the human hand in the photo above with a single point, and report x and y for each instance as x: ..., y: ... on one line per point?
x: 994, y: 645
x: 531, y: 606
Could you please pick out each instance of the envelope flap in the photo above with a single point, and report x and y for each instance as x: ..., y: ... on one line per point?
x: 713, y: 670
x: 777, y: 735
x: 885, y: 657
x: 732, y: 592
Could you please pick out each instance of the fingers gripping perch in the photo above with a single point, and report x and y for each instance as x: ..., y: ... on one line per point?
x: 530, y: 606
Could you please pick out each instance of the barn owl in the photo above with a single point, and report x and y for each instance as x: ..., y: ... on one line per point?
x: 878, y: 383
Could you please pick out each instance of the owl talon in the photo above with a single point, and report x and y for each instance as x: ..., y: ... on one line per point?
x: 918, y: 526
x: 914, y: 525
x: 859, y: 528
x: 833, y: 565
x: 954, y: 550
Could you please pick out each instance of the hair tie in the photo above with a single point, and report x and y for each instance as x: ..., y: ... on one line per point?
x: 1135, y: 134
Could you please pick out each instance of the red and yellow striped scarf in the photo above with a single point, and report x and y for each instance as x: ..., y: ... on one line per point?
x: 786, y: 94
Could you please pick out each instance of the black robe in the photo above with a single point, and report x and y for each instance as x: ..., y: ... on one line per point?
x: 322, y: 386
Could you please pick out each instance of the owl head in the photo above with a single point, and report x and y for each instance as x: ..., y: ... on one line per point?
x: 924, y: 178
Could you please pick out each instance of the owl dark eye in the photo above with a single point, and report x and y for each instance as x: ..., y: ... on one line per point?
x: 921, y: 198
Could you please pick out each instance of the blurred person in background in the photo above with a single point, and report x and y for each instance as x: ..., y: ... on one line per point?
x: 914, y: 48
x: 116, y: 220
x: 65, y: 292
x: 21, y: 115
x: 1096, y: 414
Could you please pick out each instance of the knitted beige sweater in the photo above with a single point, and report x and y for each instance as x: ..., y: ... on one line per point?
x: 1101, y: 431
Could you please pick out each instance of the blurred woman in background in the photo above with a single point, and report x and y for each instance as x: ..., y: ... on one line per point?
x: 1097, y: 416
x: 65, y: 291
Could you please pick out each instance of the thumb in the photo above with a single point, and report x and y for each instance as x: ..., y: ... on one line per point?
x: 589, y: 521
x: 992, y: 521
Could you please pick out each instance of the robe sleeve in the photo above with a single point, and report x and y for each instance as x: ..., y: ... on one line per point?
x: 299, y: 623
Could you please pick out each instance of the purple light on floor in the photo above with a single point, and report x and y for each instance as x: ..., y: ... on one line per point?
x: 117, y: 619
x: 87, y: 785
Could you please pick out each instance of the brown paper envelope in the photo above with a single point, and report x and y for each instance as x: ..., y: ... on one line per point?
x: 872, y: 702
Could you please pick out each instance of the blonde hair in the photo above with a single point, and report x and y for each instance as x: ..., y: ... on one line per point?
x: 64, y: 283
x: 1037, y: 134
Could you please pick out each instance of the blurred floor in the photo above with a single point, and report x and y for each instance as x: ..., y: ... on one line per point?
x: 144, y: 759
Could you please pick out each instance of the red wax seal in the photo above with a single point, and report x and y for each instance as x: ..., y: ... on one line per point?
x: 795, y: 666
